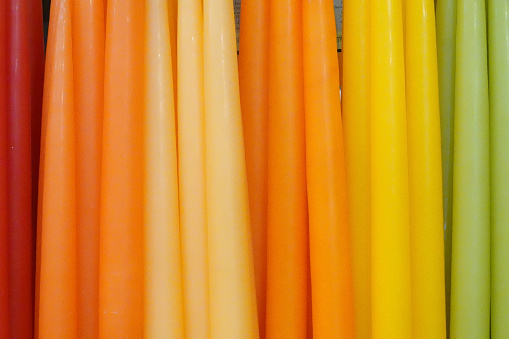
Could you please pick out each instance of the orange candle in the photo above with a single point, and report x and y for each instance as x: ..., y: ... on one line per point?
x: 88, y: 54
x: 329, y: 234
x: 121, y: 233
x: 254, y: 101
x: 287, y: 225
x: 57, y: 308
x: 4, y: 240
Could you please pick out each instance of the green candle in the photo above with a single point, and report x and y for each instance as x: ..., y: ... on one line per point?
x: 446, y: 53
x: 498, y: 27
x: 470, y: 270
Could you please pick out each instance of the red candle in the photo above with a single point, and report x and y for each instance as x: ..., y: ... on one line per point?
x: 19, y: 169
x: 4, y: 241
x: 36, y: 84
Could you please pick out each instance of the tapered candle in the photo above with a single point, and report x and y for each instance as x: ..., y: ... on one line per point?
x: 4, y: 235
x: 121, y: 233
x: 254, y: 100
x: 356, y: 123
x: 173, y: 22
x: 88, y: 54
x: 19, y: 169
x: 329, y: 232
x: 446, y: 53
x: 231, y: 279
x: 191, y: 164
x: 390, y: 232
x: 57, y: 306
x: 36, y: 87
x: 287, y: 225
x: 424, y: 172
x: 162, y: 272
x: 470, y: 270
x: 498, y: 28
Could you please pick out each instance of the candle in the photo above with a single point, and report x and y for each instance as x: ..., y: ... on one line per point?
x: 498, y: 28
x: 329, y: 233
x: 19, y: 169
x: 356, y: 123
x: 162, y: 273
x: 287, y: 225
x: 121, y: 216
x: 36, y: 87
x: 254, y: 100
x: 191, y: 163
x: 424, y: 172
x: 4, y: 235
x: 57, y: 305
x: 173, y: 22
x: 470, y: 271
x: 231, y: 279
x: 446, y: 52
x: 390, y: 237
x: 88, y: 54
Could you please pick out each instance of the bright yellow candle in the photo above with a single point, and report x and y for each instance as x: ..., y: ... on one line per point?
x: 425, y: 172
x: 162, y: 284
x: 232, y: 288
x: 191, y: 159
x: 390, y: 231
x: 356, y: 125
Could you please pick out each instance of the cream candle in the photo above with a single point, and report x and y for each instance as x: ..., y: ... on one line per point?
x: 231, y: 272
x: 162, y: 267
x: 191, y: 165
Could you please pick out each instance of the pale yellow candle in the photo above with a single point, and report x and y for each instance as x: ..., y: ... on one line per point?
x: 425, y: 172
x: 191, y: 161
x: 231, y: 274
x: 162, y: 284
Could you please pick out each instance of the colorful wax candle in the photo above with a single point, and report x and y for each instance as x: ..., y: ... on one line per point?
x: 121, y: 216
x: 446, y: 52
x: 88, y: 54
x: 19, y: 169
x: 424, y: 172
x: 57, y: 304
x: 191, y: 165
x: 173, y: 22
x: 36, y: 89
x: 4, y: 235
x: 356, y: 124
x: 470, y: 269
x: 498, y: 28
x: 231, y: 271
x: 254, y: 100
x: 329, y: 232
x: 162, y: 272
x: 287, y: 223
x: 390, y: 229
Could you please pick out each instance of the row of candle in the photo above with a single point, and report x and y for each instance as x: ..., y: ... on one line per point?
x: 181, y: 196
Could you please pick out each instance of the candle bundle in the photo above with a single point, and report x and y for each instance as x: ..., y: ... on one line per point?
x: 181, y: 196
